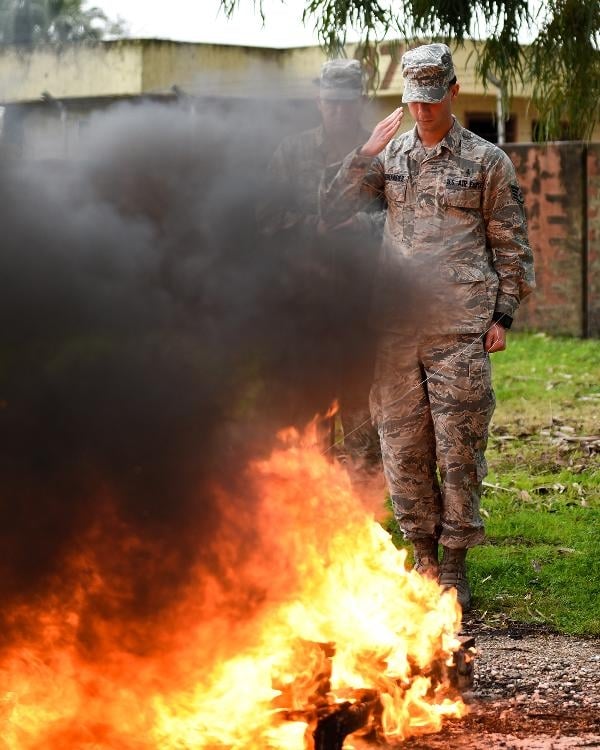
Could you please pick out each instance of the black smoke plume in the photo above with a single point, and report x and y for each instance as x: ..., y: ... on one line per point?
x: 153, y: 340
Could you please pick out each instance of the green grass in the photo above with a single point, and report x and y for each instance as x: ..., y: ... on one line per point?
x: 541, y: 503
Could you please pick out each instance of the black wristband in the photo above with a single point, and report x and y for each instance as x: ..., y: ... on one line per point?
x: 504, y: 319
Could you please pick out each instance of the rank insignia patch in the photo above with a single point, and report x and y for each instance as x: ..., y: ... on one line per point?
x: 517, y: 194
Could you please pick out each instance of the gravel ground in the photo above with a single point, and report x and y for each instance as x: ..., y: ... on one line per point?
x: 522, y: 666
x: 533, y: 690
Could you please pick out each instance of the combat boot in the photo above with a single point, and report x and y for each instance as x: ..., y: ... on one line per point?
x: 425, y: 552
x: 453, y: 575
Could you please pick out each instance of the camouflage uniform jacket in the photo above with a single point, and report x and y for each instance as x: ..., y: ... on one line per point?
x: 455, y: 218
x: 296, y: 171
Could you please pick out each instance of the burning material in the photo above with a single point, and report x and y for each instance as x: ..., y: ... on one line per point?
x: 319, y: 634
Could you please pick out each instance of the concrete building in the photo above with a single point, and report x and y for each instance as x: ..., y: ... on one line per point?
x: 48, y: 94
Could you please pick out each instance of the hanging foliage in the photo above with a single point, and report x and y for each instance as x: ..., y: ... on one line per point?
x: 551, y: 45
x: 27, y: 22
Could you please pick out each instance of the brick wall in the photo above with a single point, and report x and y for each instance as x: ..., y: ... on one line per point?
x: 560, y: 209
x: 593, y: 240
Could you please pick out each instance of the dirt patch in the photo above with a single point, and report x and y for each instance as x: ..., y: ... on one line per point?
x: 498, y: 725
x: 533, y: 690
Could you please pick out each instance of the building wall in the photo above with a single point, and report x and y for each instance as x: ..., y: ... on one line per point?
x: 592, y: 250
x: 71, y: 70
x: 561, y: 185
x: 209, y: 69
x: 132, y: 67
x: 51, y: 130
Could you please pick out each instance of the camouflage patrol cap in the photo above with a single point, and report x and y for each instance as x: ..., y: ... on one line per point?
x: 341, y: 79
x: 427, y: 72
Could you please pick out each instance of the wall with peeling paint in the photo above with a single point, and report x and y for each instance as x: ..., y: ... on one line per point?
x: 561, y: 184
x: 593, y: 240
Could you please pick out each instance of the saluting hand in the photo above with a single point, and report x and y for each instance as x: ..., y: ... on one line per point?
x: 383, y: 133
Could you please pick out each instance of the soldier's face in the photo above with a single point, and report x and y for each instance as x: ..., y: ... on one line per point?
x: 340, y: 116
x: 434, y: 118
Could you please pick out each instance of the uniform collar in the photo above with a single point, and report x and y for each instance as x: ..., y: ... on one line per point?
x: 451, y: 140
x: 453, y: 137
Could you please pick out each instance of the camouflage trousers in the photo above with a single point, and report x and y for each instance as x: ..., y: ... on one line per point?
x: 361, y: 448
x: 361, y: 440
x: 433, y: 434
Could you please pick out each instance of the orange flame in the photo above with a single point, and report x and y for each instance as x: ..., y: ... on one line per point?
x: 322, y: 577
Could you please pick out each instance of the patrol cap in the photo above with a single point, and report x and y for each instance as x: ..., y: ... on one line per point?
x: 427, y: 72
x: 341, y: 79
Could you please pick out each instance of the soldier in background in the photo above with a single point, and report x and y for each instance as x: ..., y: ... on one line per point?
x: 456, y: 219
x: 340, y: 255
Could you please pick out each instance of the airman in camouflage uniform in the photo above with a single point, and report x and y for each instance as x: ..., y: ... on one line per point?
x: 292, y: 216
x: 456, y: 219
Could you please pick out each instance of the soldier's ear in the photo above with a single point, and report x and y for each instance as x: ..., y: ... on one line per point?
x: 454, y: 91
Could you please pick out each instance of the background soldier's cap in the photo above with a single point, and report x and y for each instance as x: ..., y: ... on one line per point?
x: 427, y: 72
x: 341, y: 79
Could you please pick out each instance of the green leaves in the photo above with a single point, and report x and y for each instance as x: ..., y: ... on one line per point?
x: 444, y: 18
x: 35, y: 21
x: 562, y: 63
x: 335, y: 17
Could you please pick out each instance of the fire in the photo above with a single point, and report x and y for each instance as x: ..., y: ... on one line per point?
x: 325, y: 614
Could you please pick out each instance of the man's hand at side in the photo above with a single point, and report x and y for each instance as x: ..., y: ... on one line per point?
x: 495, y: 339
x: 382, y: 134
